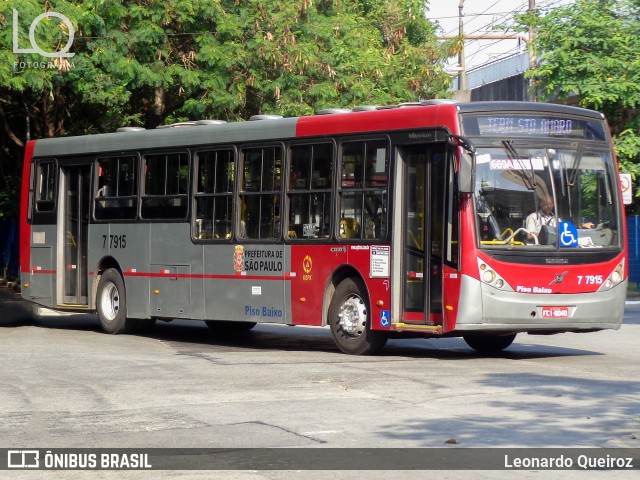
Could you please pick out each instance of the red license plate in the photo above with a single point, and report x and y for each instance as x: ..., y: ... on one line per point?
x: 555, y: 312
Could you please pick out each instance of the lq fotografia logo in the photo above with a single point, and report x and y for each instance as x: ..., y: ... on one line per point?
x: 58, y: 55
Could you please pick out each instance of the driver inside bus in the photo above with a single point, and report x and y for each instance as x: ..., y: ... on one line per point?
x: 544, y: 216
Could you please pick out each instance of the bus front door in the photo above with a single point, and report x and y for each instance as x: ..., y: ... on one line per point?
x: 422, y: 232
x: 73, y: 226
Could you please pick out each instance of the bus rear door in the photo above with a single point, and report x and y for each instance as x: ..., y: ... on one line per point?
x: 73, y: 226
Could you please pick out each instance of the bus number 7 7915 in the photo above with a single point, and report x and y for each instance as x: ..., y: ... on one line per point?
x: 432, y: 220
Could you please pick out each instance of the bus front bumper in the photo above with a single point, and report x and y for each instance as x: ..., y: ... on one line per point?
x: 538, y: 313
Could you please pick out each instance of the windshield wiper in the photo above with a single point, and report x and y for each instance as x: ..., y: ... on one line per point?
x: 574, y: 168
x: 513, y: 153
x: 573, y: 176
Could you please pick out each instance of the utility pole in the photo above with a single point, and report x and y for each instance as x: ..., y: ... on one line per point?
x: 532, y: 36
x: 462, y: 77
x: 533, y: 60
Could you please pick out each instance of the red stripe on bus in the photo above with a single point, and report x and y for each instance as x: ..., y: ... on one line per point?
x: 374, y: 121
x: 198, y: 276
x: 25, y: 228
x: 204, y: 276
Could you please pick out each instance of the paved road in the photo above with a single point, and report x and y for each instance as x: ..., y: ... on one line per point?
x: 66, y: 384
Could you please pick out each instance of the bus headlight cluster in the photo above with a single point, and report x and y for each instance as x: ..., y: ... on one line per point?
x: 491, y: 277
x: 488, y: 276
x: 614, y: 279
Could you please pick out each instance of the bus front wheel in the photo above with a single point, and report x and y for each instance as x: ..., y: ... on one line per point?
x: 350, y: 320
x: 111, y: 302
x: 489, y: 344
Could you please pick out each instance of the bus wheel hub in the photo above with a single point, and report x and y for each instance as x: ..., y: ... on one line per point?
x: 353, y: 315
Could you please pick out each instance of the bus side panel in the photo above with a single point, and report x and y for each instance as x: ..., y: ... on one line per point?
x: 311, y: 268
x: 42, y: 279
x: 464, y: 288
x: 42, y: 271
x: 128, y: 245
x: 171, y: 255
x: 374, y: 264
x: 95, y: 254
x: 451, y: 283
x: 222, y: 291
x: 245, y: 282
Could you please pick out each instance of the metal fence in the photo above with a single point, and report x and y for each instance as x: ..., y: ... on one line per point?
x: 633, y: 233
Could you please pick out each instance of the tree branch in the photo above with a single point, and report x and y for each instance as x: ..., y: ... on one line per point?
x: 7, y: 129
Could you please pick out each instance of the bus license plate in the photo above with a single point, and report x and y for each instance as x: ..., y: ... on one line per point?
x: 556, y: 312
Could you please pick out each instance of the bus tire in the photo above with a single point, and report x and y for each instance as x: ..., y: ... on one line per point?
x: 111, y: 303
x: 489, y: 344
x: 229, y: 326
x: 350, y: 320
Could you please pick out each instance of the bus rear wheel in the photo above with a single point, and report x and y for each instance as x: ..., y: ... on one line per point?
x: 489, y: 344
x: 111, y: 302
x: 350, y: 320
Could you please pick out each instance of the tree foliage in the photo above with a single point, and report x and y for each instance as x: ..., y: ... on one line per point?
x: 147, y: 63
x: 589, y: 54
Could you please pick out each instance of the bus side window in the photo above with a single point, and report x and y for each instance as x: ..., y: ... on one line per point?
x: 309, y: 191
x: 215, y: 176
x: 260, y: 186
x: 165, y: 186
x: 363, y: 192
x: 116, y: 188
x: 46, y: 187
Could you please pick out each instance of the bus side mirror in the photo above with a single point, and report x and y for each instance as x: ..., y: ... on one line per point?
x: 467, y: 171
x: 466, y: 174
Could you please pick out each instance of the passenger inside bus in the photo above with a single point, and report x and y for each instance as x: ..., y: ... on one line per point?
x: 103, y: 180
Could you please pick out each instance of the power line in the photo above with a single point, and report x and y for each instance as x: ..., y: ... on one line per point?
x: 490, y: 45
x: 484, y: 40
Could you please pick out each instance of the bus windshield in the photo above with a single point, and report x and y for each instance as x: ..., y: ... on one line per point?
x: 546, y: 196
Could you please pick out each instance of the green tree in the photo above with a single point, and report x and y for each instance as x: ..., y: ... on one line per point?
x: 589, y: 54
x: 147, y: 63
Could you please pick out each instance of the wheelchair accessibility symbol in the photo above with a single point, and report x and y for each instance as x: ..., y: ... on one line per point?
x: 385, y: 318
x: 568, y: 234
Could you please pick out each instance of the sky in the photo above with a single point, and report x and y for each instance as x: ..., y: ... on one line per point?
x: 479, y: 17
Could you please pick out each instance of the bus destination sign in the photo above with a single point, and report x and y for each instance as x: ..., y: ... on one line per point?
x: 532, y: 126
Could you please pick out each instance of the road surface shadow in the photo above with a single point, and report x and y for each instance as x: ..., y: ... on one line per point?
x: 533, y: 410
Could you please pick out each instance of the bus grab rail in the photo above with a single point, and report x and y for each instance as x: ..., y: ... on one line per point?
x: 523, y: 230
x: 510, y: 238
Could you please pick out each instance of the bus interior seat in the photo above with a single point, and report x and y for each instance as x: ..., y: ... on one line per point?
x: 349, y: 228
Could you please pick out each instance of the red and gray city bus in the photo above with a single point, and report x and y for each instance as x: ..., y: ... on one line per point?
x: 378, y: 223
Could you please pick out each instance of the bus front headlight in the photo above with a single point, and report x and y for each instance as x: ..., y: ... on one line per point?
x: 491, y: 277
x: 614, y: 278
